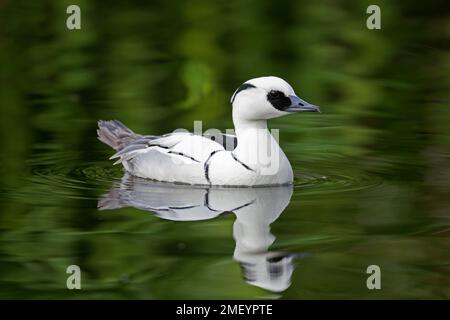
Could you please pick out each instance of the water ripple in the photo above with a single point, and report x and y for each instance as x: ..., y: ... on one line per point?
x: 63, y: 174
x: 315, y: 181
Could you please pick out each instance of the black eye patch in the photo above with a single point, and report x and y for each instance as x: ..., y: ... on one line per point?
x: 278, y: 100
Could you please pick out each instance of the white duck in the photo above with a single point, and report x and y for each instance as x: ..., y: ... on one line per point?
x: 251, y: 158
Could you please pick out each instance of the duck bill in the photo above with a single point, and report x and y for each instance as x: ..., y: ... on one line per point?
x: 299, y: 105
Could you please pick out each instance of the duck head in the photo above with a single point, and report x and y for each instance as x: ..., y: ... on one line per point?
x: 266, y: 98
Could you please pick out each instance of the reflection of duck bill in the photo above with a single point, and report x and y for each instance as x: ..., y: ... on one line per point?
x: 255, y: 210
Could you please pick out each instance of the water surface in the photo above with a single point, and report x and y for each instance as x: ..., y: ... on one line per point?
x: 372, y: 172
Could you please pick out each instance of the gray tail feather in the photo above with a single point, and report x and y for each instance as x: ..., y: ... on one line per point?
x: 115, y: 134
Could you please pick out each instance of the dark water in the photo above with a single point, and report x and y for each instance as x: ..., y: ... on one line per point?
x: 372, y: 172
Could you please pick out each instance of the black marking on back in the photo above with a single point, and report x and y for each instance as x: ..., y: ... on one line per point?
x: 240, y: 162
x: 241, y: 88
x: 157, y: 145
x: 183, y: 155
x: 278, y: 100
x: 206, y: 165
x: 228, y: 142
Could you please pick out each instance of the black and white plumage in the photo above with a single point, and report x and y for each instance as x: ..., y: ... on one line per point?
x: 250, y: 158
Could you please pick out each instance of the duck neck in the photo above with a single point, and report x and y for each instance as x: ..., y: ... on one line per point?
x: 253, y: 141
x: 242, y: 127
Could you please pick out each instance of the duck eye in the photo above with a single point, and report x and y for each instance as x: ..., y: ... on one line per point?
x: 275, y: 94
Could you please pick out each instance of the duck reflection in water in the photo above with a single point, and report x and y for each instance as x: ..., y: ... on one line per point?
x: 255, y: 210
